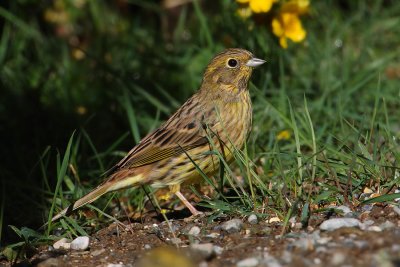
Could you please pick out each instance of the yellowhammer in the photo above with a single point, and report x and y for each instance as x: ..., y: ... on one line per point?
x: 218, y: 116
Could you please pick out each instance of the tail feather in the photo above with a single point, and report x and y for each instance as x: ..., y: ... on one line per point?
x: 108, y: 186
x: 89, y: 198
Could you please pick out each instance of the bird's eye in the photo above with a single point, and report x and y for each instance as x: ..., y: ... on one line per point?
x: 232, y: 63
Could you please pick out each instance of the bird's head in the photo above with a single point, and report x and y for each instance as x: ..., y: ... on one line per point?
x: 231, y: 70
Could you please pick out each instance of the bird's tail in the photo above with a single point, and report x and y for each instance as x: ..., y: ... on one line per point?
x: 108, y: 186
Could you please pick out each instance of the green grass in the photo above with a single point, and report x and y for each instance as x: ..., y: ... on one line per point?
x: 332, y: 93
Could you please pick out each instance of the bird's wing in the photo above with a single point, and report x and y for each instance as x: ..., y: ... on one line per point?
x: 162, y: 144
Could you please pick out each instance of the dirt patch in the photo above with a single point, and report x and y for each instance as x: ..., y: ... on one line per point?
x: 375, y: 242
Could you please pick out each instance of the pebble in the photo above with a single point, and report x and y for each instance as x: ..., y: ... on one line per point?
x: 97, y: 252
x: 195, y: 231
x: 80, y: 243
x: 387, y: 225
x: 336, y: 223
x: 63, y: 243
x: 249, y: 262
x: 147, y: 246
x: 205, y: 250
x: 252, y: 219
x: 232, y: 226
x: 367, y: 207
x: 274, y: 219
x: 115, y: 265
x: 305, y: 244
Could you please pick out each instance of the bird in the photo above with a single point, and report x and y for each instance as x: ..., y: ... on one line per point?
x: 217, y: 117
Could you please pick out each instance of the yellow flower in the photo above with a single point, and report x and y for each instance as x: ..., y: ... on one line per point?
x: 296, y: 6
x: 258, y: 6
x: 283, y: 135
x: 288, y: 25
x: 244, y: 12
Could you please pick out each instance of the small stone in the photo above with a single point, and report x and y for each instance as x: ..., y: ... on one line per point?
x: 232, y: 226
x: 115, y: 265
x: 252, y: 219
x: 147, y: 246
x: 249, y: 262
x: 203, y: 264
x: 368, y: 222
x: 194, y: 231
x: 336, y: 223
x: 387, y: 225
x: 317, y: 261
x: 205, y: 250
x: 80, y: 243
x: 97, y: 252
x: 374, y: 228
x: 63, y: 243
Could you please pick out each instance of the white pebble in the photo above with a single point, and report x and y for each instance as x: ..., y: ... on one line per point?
x: 80, y: 243
x: 336, y: 223
x: 63, y: 243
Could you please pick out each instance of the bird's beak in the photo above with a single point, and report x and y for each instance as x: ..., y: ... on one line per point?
x: 255, y: 62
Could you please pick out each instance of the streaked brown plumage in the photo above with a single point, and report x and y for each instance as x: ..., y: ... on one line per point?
x: 220, y: 111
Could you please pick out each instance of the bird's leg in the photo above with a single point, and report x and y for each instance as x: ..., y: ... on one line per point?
x: 176, y: 189
x: 192, y: 209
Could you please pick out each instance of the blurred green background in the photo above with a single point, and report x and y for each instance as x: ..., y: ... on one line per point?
x: 113, y: 70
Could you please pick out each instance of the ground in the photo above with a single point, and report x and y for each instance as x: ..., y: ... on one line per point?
x: 151, y: 243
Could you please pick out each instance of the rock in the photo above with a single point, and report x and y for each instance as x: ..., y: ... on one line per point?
x: 63, y: 243
x: 97, y: 252
x: 203, y: 264
x: 80, y: 243
x: 205, y: 250
x: 252, y: 219
x: 366, y: 207
x: 115, y: 265
x: 195, y: 231
x: 249, y: 262
x: 232, y: 226
x: 386, y: 225
x: 336, y: 223
x: 213, y: 235
x: 50, y: 262
x: 147, y: 246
